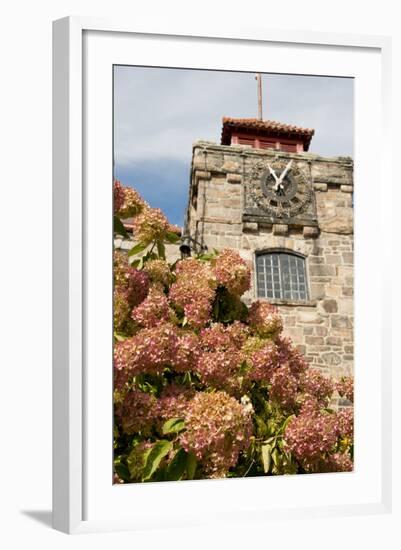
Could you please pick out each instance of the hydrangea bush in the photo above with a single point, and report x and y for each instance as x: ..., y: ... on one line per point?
x: 204, y: 386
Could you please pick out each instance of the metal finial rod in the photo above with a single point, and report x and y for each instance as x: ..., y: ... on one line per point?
x: 259, y: 80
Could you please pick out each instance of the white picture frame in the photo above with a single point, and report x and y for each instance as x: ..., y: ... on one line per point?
x: 83, y: 44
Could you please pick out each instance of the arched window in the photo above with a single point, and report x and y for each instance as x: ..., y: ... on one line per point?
x: 281, y: 275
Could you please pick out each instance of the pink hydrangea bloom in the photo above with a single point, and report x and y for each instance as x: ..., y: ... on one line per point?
x: 264, y: 319
x: 132, y: 204
x: 133, y: 281
x: 345, y: 387
x: 219, y: 337
x: 118, y: 196
x: 310, y: 435
x: 345, y: 422
x: 150, y: 225
x: 158, y: 271
x: 314, y: 383
x: 284, y: 386
x: 338, y: 462
x: 153, y: 310
x: 173, y: 402
x: 218, y: 429
x: 193, y: 291
x: 121, y: 309
x: 232, y: 272
x: 221, y: 370
x: 148, y: 351
x: 136, y: 412
x: 290, y: 355
x: 262, y: 357
x: 187, y: 352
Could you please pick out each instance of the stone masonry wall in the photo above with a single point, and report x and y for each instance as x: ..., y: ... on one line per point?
x: 321, y: 327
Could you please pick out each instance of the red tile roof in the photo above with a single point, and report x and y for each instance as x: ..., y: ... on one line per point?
x: 266, y: 127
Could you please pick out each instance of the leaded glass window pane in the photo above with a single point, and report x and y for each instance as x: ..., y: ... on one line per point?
x: 281, y: 275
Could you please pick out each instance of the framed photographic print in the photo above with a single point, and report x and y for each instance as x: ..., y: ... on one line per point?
x: 217, y: 198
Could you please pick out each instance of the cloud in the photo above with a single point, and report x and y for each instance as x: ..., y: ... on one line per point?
x: 160, y: 113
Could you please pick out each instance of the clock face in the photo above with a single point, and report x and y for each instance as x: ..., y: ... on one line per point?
x: 280, y: 188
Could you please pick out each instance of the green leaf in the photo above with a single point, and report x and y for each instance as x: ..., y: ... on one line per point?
x: 122, y: 471
x: 276, y: 456
x: 177, y: 466
x: 140, y: 247
x: 191, y: 465
x: 171, y: 237
x: 159, y: 450
x: 286, y: 422
x: 119, y: 227
x: 119, y: 337
x: 173, y: 425
x: 161, y: 250
x: 266, y: 457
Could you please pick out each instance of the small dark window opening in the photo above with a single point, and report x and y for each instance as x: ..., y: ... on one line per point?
x: 281, y: 276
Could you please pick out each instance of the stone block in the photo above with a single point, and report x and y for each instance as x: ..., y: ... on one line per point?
x: 250, y: 226
x: 346, y: 306
x: 348, y: 257
x: 317, y: 291
x: 310, y: 232
x: 320, y: 186
x: 231, y: 166
x: 330, y: 306
x: 341, y: 321
x: 280, y: 229
x: 309, y: 316
x: 331, y: 358
x: 314, y: 340
x: 234, y: 178
x: 322, y: 270
x: 333, y: 341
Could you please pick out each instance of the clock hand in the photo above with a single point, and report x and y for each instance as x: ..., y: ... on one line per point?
x: 273, y: 173
x: 285, y: 172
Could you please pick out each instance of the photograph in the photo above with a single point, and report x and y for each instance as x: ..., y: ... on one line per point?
x: 233, y: 292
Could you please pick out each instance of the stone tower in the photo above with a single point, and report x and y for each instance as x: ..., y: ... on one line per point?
x: 289, y: 213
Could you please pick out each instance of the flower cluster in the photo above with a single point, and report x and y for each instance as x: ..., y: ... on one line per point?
x: 118, y: 196
x: 345, y: 423
x: 193, y: 291
x: 153, y: 310
x: 136, y: 412
x: 133, y: 281
x: 173, y: 402
x: 290, y: 355
x: 127, y: 201
x: 264, y: 319
x: 218, y: 428
x: 345, y: 388
x: 315, y: 384
x: 284, y: 387
x: 121, y: 311
x: 188, y: 348
x: 159, y: 272
x: 221, y: 370
x: 262, y: 357
x: 187, y: 352
x: 309, y: 436
x: 232, y: 272
x: 219, y: 337
x: 150, y: 225
x: 338, y: 462
x: 148, y: 351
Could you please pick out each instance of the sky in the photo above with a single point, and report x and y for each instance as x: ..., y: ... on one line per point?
x: 159, y: 113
